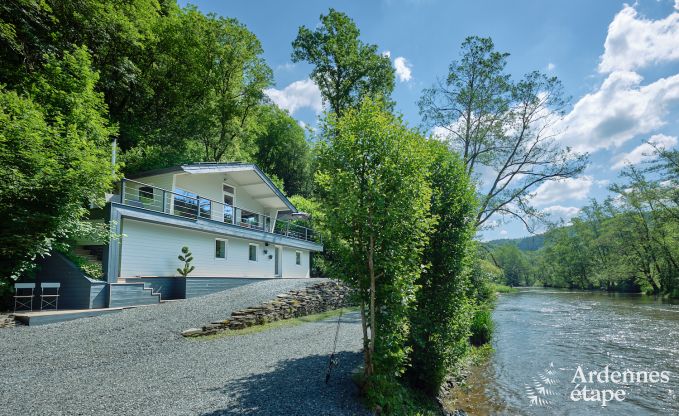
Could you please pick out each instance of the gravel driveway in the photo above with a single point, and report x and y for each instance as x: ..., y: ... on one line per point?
x: 136, y: 363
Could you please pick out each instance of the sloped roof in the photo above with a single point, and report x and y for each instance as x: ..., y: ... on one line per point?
x: 210, y: 167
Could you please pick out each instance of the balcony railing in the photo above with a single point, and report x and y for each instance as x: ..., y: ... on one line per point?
x: 191, y: 206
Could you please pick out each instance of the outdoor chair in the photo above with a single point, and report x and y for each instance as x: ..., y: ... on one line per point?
x: 23, y: 296
x: 49, y: 295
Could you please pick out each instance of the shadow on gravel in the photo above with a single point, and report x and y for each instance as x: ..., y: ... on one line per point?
x: 297, y: 387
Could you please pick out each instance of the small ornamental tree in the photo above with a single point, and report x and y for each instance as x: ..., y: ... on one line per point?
x: 375, y: 200
x: 187, y: 258
x: 441, y: 318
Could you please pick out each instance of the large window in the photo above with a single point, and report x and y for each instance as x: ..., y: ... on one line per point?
x: 220, y: 249
x: 249, y: 219
x: 185, y: 203
x: 253, y: 252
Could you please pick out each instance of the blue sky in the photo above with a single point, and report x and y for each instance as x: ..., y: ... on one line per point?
x: 619, y: 63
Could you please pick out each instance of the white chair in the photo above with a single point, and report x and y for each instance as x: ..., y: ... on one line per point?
x: 23, y: 296
x: 50, y: 297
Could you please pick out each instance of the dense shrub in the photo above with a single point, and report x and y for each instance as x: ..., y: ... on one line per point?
x: 442, y: 313
x: 373, y: 184
x: 482, y: 325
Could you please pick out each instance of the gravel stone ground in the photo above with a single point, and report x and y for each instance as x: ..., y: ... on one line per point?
x: 136, y: 363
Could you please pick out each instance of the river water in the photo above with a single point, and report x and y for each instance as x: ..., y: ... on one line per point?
x: 542, y: 337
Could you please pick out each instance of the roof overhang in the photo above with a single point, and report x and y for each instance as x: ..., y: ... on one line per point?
x: 263, y: 190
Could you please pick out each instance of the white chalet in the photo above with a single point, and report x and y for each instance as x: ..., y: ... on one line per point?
x: 237, y: 224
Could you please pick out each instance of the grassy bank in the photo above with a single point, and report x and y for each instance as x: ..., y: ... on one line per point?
x: 283, y: 323
x: 398, y: 398
x: 466, y: 391
x: 498, y: 288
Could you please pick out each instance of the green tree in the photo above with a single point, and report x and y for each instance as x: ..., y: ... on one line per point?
x: 345, y: 69
x: 502, y: 126
x: 54, y: 158
x: 440, y: 319
x: 375, y: 201
x: 115, y: 33
x: 282, y: 150
x: 205, y: 79
x: 513, y: 263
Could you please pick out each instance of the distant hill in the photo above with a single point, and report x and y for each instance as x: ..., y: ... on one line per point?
x: 531, y: 243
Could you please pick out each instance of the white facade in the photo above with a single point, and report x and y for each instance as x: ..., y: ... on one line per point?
x: 150, y: 249
x: 156, y: 221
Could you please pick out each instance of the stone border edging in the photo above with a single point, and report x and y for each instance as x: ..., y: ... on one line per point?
x: 317, y: 298
x: 7, y: 320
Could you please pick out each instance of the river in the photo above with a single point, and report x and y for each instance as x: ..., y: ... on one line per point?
x: 546, y: 341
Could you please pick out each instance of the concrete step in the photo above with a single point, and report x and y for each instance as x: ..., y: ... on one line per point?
x: 132, y: 294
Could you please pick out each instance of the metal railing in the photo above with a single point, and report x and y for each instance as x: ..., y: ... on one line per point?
x: 192, y: 206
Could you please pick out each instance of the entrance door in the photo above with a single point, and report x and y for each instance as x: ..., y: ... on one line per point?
x: 277, y: 261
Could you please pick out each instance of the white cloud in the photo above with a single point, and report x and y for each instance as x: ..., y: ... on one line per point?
x: 559, y: 212
x: 551, y: 66
x: 623, y: 108
x: 299, y: 94
x: 503, y: 232
x: 644, y: 151
x: 618, y: 111
x: 566, y: 189
x: 288, y: 66
x: 387, y: 54
x: 635, y: 42
x: 403, y: 69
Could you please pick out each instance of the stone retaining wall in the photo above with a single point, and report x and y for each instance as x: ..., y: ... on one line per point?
x: 318, y: 298
x: 7, y: 321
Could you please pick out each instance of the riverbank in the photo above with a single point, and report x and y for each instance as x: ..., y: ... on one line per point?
x: 412, y: 402
x: 462, y: 382
x: 499, y: 288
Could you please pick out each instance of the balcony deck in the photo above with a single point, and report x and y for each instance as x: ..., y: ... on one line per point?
x: 193, y: 207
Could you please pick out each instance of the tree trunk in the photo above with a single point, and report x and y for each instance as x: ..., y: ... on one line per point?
x: 367, y: 356
x: 371, y: 270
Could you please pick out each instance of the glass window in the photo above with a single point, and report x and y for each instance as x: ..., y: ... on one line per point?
x: 185, y: 203
x: 249, y: 219
x: 298, y: 257
x: 228, y: 189
x: 253, y: 252
x: 220, y: 249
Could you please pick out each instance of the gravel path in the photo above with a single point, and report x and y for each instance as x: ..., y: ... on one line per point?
x: 136, y: 363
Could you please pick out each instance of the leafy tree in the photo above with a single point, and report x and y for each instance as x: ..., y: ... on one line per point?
x: 320, y: 262
x: 440, y: 320
x: 282, y: 150
x: 115, y: 33
x: 54, y: 158
x: 345, y: 69
x: 513, y: 263
x: 626, y: 243
x: 205, y: 80
x: 502, y: 128
x: 375, y: 202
